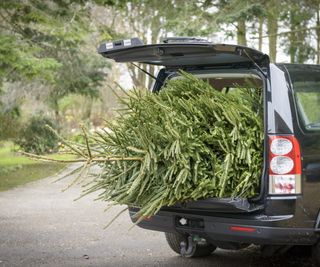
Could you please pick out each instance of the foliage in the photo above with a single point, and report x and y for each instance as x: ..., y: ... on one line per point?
x: 186, y: 143
x: 46, y: 40
x: 21, y: 50
x: 152, y: 20
x: 18, y: 61
x: 35, y: 137
x: 78, y: 138
x: 10, y: 123
x: 80, y: 75
x: 229, y: 11
x: 298, y: 43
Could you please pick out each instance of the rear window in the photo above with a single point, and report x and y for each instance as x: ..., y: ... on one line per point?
x: 306, y: 85
x: 230, y: 82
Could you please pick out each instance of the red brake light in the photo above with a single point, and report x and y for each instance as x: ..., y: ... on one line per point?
x: 293, y: 154
x: 284, y: 165
x: 243, y: 229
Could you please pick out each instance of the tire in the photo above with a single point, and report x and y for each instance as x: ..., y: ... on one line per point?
x: 174, y: 240
x: 316, y: 255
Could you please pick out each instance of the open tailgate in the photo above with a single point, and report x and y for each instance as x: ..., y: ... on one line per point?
x: 193, y: 53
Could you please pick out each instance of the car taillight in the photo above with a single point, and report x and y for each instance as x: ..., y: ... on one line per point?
x: 284, y: 165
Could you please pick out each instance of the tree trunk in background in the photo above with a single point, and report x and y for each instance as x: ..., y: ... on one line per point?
x: 87, y: 109
x: 292, y: 38
x: 272, y: 29
x: 55, y: 107
x: 155, y: 31
x: 141, y: 75
x: 302, y: 46
x: 241, y: 32
x: 151, y: 71
x: 272, y: 25
x: 318, y: 35
x: 133, y: 71
x: 260, y: 32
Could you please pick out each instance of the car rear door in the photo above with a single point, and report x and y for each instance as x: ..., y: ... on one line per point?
x: 180, y: 54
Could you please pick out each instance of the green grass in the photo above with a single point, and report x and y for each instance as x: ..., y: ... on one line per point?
x: 16, y: 169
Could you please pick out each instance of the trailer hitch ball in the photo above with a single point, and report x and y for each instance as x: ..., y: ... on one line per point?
x: 188, y: 247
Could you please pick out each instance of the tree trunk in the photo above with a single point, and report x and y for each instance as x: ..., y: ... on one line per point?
x: 151, y: 71
x: 292, y: 38
x: 142, y: 75
x: 241, y: 32
x: 302, y: 46
x: 155, y: 38
x: 55, y: 107
x: 272, y: 24
x: 133, y: 71
x: 87, y: 109
x: 260, y: 32
x: 318, y: 35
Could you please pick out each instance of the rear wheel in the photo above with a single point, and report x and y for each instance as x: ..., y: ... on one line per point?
x: 201, y: 250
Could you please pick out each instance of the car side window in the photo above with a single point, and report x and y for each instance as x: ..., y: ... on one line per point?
x: 309, y: 106
x: 306, y: 86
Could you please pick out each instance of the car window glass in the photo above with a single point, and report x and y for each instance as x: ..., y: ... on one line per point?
x: 233, y: 84
x: 306, y: 85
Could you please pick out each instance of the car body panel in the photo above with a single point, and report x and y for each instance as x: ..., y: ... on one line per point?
x: 310, y: 152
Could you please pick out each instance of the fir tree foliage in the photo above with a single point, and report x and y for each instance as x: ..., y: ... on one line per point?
x: 186, y: 142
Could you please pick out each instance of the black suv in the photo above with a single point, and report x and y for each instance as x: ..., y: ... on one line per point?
x: 286, y: 212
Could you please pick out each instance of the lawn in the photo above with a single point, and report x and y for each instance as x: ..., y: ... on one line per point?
x: 16, y: 169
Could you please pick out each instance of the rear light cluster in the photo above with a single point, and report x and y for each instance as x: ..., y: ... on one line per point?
x: 284, y: 165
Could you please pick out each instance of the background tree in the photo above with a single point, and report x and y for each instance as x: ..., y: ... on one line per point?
x: 237, y: 13
x: 297, y: 42
x: 47, y: 42
x: 314, y: 7
x: 273, y: 8
x: 151, y: 20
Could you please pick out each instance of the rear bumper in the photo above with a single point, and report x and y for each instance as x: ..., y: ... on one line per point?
x: 257, y: 230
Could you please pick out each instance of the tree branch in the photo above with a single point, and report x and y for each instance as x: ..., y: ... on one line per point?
x: 287, y: 32
x: 93, y: 159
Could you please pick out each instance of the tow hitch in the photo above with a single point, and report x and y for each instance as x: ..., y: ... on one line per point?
x: 188, y: 247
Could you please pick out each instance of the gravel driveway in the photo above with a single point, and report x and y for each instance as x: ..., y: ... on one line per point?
x: 41, y: 226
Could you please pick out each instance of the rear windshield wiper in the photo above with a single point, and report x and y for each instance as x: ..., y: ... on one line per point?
x: 254, y: 63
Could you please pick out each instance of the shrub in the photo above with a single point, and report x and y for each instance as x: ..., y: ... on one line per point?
x: 36, y: 138
x: 10, y: 123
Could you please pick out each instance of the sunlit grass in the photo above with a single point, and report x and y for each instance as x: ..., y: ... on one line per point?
x: 16, y: 169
